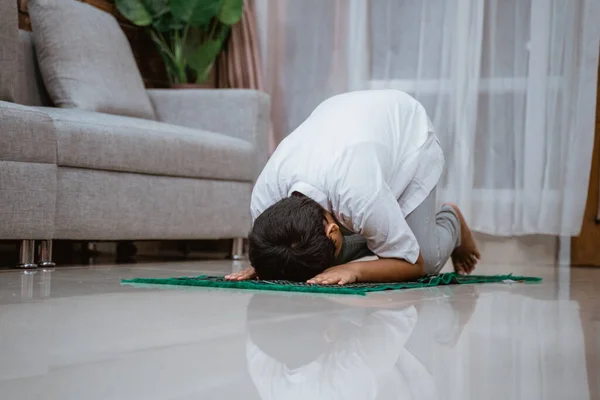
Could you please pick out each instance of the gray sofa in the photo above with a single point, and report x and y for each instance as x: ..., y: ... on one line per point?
x: 83, y: 175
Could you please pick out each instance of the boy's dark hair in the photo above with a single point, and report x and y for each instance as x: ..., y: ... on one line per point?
x: 288, y: 241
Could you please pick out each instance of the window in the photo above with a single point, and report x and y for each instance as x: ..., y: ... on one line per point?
x: 490, y: 58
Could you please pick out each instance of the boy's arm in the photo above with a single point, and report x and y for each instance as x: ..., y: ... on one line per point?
x: 381, y: 270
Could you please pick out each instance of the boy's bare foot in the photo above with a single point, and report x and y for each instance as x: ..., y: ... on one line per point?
x: 465, y: 256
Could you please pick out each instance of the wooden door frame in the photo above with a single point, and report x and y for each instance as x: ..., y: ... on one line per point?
x: 585, y: 248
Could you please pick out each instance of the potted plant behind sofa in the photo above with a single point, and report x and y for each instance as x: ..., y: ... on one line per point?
x: 189, y: 34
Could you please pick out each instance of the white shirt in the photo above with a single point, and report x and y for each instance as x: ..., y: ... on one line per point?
x: 368, y: 157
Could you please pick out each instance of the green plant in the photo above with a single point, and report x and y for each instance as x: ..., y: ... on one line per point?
x: 189, y: 34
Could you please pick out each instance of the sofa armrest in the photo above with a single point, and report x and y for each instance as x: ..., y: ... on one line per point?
x: 26, y: 134
x: 240, y: 113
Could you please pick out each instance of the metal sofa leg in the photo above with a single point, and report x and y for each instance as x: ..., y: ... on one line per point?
x: 45, y: 254
x: 237, y: 252
x: 27, y: 254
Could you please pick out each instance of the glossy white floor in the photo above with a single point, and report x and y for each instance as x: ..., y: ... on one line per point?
x: 76, y: 333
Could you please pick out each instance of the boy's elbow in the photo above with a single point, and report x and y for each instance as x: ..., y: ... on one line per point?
x: 420, y: 266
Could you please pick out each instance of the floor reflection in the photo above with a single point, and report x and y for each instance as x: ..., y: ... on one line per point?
x: 78, y: 333
x: 481, y: 343
x: 585, y: 289
x: 41, y: 278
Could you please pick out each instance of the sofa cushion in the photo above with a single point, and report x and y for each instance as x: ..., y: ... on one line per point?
x: 8, y: 48
x: 86, y: 60
x: 87, y: 139
x: 30, y: 89
x: 26, y: 134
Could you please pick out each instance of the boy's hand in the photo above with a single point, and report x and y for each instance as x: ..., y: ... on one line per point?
x: 340, y: 275
x: 243, y: 275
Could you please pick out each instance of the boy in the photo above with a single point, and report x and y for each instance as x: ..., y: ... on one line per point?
x: 363, y: 162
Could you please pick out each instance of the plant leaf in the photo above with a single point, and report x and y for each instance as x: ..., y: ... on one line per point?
x: 167, y: 60
x: 223, y: 33
x: 155, y: 6
x: 134, y: 11
x: 195, y: 38
x: 195, y: 12
x: 231, y: 11
x: 202, y: 59
x: 167, y: 22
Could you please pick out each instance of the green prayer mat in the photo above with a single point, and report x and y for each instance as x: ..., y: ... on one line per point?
x: 352, y: 288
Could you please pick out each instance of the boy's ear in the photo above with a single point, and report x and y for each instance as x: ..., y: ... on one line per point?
x: 331, y: 229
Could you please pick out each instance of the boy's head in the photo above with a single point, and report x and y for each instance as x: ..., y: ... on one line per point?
x: 294, y: 239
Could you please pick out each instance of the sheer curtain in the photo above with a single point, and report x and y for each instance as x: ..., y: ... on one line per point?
x: 510, y: 86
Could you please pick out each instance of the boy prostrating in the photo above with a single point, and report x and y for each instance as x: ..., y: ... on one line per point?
x: 357, y: 177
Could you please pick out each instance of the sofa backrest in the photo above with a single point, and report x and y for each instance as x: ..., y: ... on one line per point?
x: 30, y: 88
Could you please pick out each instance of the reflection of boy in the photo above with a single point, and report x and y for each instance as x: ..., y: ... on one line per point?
x: 342, y: 353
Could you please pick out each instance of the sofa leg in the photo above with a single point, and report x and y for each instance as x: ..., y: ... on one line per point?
x: 45, y: 254
x: 27, y: 254
x: 237, y: 252
x: 88, y: 252
x: 90, y: 247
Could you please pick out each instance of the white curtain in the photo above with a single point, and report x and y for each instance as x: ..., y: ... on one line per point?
x: 510, y: 86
